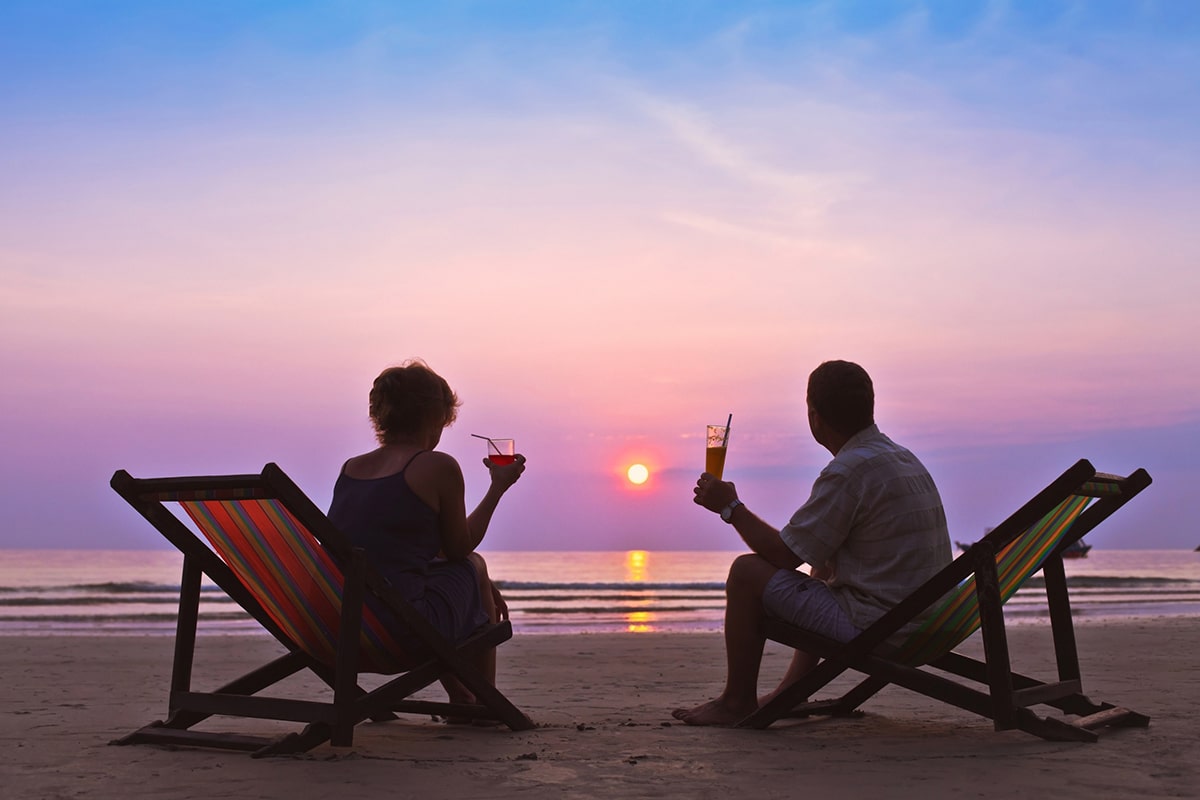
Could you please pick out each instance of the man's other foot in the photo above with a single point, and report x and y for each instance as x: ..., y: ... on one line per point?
x: 714, y: 712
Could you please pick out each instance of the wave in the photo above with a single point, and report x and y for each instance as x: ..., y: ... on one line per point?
x: 108, y: 618
x: 148, y: 588
x: 540, y: 605
x: 159, y: 599
x: 1111, y: 581
x: 113, y: 587
x: 718, y: 586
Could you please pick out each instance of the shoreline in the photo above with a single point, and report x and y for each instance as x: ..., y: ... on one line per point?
x: 602, y: 704
x: 252, y: 630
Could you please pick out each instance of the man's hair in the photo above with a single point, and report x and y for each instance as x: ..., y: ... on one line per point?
x: 842, y: 393
x: 409, y: 400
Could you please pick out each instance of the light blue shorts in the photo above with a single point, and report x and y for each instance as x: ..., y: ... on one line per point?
x: 807, y: 603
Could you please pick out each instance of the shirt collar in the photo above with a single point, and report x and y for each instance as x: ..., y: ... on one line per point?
x: 869, y: 432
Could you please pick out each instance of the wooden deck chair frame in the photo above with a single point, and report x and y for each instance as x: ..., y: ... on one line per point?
x: 334, y: 720
x: 989, y: 687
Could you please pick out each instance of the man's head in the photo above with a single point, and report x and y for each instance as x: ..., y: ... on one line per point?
x: 841, y: 395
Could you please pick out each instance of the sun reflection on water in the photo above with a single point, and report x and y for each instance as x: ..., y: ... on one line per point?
x: 637, y: 563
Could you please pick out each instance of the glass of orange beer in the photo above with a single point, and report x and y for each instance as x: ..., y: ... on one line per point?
x: 716, y: 444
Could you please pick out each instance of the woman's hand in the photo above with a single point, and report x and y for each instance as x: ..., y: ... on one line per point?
x: 501, y: 605
x: 504, y: 476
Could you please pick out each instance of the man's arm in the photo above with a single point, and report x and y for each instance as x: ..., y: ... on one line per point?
x: 763, y: 539
x: 716, y: 495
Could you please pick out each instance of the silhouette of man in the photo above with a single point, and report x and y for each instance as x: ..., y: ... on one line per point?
x: 872, y: 531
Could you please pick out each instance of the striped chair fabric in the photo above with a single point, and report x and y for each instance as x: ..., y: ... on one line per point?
x: 956, y: 616
x: 291, y: 575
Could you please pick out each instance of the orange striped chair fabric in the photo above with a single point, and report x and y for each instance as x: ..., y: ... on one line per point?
x: 291, y: 575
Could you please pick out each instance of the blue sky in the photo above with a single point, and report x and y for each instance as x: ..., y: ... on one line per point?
x: 607, y: 224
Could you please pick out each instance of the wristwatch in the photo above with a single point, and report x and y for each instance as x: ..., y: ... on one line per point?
x: 727, y: 511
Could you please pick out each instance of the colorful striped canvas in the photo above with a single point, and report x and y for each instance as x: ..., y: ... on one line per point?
x: 957, y: 615
x: 291, y: 575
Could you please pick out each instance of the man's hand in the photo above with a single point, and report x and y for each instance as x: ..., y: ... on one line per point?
x: 713, y: 493
x: 824, y: 572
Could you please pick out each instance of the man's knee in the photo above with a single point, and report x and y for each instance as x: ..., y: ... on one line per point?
x: 749, y: 574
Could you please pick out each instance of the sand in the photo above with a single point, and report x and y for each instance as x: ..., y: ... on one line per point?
x: 602, y: 704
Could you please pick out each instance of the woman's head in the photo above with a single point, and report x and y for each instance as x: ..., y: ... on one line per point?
x: 410, y: 400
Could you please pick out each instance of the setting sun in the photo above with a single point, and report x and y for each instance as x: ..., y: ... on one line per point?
x: 638, y: 474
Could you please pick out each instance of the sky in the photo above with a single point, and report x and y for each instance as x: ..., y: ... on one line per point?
x: 607, y: 224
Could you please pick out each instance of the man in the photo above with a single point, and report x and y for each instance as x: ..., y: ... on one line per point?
x: 872, y: 531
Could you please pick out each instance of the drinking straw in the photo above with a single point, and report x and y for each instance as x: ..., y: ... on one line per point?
x: 497, y: 449
x: 728, y: 422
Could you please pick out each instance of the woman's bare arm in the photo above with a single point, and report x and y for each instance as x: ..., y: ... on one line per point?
x: 440, y: 479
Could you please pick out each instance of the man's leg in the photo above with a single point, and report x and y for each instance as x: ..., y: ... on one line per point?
x: 807, y: 603
x: 801, y: 664
x: 744, y: 641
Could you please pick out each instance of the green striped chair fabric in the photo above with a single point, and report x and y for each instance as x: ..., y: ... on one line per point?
x: 956, y: 616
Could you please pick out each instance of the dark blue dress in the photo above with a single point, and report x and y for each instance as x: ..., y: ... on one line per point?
x: 400, y: 535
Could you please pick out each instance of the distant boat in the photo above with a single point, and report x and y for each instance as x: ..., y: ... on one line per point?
x: 1077, y: 549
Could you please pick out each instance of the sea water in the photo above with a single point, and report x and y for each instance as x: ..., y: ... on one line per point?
x: 136, y: 592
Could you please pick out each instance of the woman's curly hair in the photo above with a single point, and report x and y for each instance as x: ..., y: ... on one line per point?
x: 410, y: 399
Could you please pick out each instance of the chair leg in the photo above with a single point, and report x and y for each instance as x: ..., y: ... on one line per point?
x: 312, y: 735
x: 185, y: 626
x: 250, y: 683
x: 995, y: 645
x: 1062, y: 628
x: 345, y: 685
x: 860, y: 694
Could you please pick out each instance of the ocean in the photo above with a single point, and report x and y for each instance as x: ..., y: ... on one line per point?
x: 65, y: 592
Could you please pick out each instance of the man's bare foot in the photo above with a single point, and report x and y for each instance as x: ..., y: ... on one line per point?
x: 714, y: 712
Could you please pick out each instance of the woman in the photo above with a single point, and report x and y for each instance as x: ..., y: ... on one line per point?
x: 404, y: 504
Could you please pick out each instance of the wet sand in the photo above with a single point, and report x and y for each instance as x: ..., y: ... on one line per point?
x: 602, y: 704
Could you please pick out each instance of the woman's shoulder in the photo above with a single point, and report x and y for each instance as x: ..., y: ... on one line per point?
x: 385, y: 462
x: 357, y: 466
x: 435, y: 463
x: 434, y: 476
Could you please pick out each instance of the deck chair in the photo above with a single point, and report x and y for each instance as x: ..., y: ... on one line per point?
x: 966, y: 596
x: 268, y: 547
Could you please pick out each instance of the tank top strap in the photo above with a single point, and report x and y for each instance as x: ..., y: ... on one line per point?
x: 410, y: 460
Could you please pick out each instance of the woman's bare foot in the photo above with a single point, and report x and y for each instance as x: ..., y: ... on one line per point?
x: 715, y: 712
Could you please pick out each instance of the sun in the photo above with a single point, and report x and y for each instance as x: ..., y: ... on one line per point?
x: 638, y: 474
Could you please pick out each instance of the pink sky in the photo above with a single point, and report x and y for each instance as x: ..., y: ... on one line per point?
x: 206, y: 275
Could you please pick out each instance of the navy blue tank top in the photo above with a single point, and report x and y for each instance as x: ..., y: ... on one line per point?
x: 386, y: 518
x: 401, y: 537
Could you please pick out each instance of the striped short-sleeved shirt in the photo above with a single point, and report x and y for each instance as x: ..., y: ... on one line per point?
x: 876, y: 517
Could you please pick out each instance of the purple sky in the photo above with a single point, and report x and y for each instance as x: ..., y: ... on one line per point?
x: 606, y: 225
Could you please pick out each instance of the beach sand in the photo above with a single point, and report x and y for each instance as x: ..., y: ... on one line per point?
x: 602, y: 703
